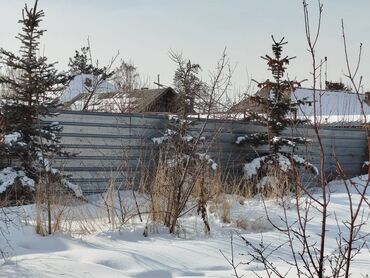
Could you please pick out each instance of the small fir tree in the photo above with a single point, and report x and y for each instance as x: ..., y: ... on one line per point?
x: 279, y: 114
x: 32, y: 95
x: 188, y: 84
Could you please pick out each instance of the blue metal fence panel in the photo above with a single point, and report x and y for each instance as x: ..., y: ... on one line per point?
x: 110, y: 146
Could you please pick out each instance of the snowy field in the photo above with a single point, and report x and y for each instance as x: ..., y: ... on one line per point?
x: 125, y: 252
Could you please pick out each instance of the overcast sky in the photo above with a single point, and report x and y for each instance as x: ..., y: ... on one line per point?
x: 143, y: 31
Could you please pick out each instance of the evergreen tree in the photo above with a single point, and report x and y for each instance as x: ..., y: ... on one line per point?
x: 32, y: 95
x: 187, y: 83
x: 82, y: 64
x: 279, y: 114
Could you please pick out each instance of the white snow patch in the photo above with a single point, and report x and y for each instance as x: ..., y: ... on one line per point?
x: 173, y: 117
x: 166, y: 136
x: 210, y: 161
x: 302, y: 161
x: 187, y: 138
x: 251, y: 168
x: 285, y: 164
x: 243, y: 138
x: 74, y: 187
x: 240, y: 139
x: 9, y: 175
x: 11, y: 138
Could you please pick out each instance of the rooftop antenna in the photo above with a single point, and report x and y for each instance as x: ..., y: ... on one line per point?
x: 158, y: 83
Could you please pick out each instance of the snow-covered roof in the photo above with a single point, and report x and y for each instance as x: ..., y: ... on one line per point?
x: 332, y: 106
x: 77, y: 86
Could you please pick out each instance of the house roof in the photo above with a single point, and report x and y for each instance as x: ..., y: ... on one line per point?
x: 144, y: 98
x: 332, y: 106
x: 246, y: 105
x: 140, y: 100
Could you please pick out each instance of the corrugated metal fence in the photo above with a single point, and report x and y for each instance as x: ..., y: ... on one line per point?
x: 115, y: 146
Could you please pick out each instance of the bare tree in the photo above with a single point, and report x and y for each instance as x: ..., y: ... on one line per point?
x: 126, y: 79
x: 310, y: 254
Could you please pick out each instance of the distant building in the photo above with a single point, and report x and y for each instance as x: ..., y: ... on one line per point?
x: 137, y: 101
x: 331, y: 105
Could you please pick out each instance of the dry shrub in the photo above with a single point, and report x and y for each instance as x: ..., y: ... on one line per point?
x: 242, y: 223
x: 226, y: 208
x: 177, y: 189
x: 54, y: 203
x: 237, y: 185
x: 160, y: 195
x: 276, y: 183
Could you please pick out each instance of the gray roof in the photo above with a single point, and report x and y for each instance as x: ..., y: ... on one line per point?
x: 147, y: 97
x: 141, y: 99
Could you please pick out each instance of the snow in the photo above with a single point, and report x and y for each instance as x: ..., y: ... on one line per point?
x: 240, y: 139
x: 77, y: 86
x: 284, y: 162
x: 281, y: 140
x: 74, y: 187
x: 251, y: 168
x: 187, y: 138
x: 173, y: 117
x: 125, y: 252
x: 169, y: 133
x: 301, y: 161
x: 11, y: 138
x: 252, y: 136
x: 9, y: 175
x: 166, y: 136
x: 206, y: 157
x: 332, y: 106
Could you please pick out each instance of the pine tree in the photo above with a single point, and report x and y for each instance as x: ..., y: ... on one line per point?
x: 191, y: 89
x: 279, y: 114
x: 32, y: 95
x: 81, y: 64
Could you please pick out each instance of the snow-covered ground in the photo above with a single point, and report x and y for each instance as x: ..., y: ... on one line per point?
x: 125, y: 252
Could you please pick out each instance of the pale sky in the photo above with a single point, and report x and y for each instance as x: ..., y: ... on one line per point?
x: 145, y: 30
